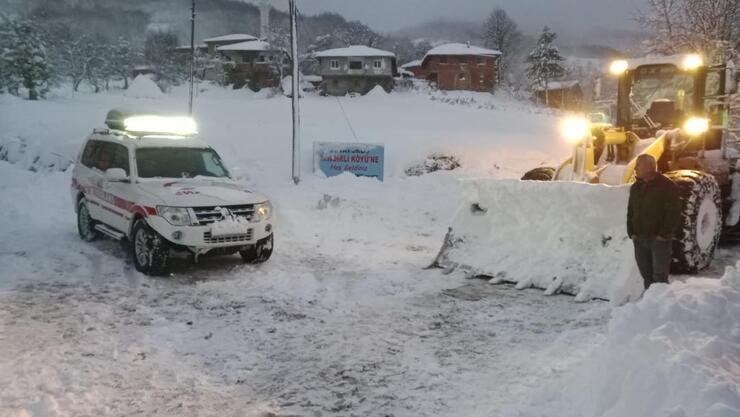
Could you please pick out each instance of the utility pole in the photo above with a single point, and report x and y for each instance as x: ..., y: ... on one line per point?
x: 192, y: 57
x: 296, y: 93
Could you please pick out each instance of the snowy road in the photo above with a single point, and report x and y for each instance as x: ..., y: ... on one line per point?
x: 298, y: 337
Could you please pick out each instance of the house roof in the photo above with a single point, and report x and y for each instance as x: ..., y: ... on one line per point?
x: 461, y: 49
x: 234, y: 37
x: 255, y: 46
x: 558, y: 85
x: 355, y: 51
x: 414, y: 63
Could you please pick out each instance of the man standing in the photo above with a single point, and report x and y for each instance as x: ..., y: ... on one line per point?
x: 653, y: 216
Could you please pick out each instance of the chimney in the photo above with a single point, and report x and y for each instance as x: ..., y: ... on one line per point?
x: 264, y: 6
x: 468, y: 43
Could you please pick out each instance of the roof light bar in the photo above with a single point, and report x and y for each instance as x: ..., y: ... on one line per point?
x: 151, y: 123
x: 176, y: 125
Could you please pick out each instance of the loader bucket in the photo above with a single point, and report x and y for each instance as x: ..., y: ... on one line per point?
x: 558, y: 236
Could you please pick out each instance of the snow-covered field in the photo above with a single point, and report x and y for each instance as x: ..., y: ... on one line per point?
x: 343, y: 321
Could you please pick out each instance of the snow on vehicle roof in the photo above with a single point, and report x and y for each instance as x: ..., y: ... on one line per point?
x: 258, y: 46
x: 354, y: 51
x: 232, y: 38
x: 461, y: 49
x: 558, y: 85
x: 414, y: 63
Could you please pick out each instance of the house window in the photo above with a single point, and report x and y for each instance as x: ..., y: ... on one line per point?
x: 261, y: 58
x: 271, y: 58
x: 377, y: 64
x: 481, y: 61
x: 286, y: 61
x: 334, y: 64
x: 462, y: 77
x: 355, y: 65
x: 443, y: 60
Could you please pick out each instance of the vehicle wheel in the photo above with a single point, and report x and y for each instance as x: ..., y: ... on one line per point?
x: 540, y: 174
x: 150, y: 252
x: 85, y: 223
x: 701, y: 221
x: 259, y: 253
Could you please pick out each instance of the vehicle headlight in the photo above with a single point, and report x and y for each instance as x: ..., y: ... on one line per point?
x: 263, y: 211
x: 696, y: 126
x: 575, y: 128
x: 176, y: 216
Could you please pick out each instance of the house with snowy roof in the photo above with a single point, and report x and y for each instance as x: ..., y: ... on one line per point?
x: 460, y: 66
x: 212, y: 44
x: 254, y: 63
x: 566, y: 95
x: 413, y: 67
x: 356, y: 69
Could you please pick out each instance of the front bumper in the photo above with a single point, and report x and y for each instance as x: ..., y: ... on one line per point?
x: 200, y: 238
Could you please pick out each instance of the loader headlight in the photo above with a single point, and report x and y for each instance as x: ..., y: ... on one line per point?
x: 618, y: 67
x: 574, y: 129
x: 696, y: 126
x: 176, y: 216
x: 692, y: 62
x: 263, y: 211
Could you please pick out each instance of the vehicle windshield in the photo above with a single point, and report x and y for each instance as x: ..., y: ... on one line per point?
x: 179, y: 163
x: 660, y: 86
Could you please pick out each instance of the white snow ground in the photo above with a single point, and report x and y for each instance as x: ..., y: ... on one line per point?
x: 342, y: 322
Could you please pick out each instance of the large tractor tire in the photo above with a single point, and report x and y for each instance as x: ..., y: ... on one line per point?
x: 701, y: 221
x: 540, y: 174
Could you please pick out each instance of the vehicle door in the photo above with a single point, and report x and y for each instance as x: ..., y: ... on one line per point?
x: 89, y: 179
x: 116, y: 200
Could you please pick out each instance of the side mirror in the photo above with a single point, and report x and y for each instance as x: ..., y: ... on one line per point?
x: 116, y: 175
x: 236, y: 173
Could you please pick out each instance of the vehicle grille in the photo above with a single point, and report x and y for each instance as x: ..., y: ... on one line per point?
x: 208, y: 215
x: 243, y: 238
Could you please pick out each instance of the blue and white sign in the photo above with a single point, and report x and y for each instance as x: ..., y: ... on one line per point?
x: 361, y: 159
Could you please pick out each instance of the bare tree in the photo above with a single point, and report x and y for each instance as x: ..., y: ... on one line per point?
x: 502, y: 33
x: 691, y: 25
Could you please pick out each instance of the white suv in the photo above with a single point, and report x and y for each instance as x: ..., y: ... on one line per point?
x: 150, y: 180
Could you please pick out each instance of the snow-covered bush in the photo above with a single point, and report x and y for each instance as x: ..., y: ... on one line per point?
x: 434, y: 163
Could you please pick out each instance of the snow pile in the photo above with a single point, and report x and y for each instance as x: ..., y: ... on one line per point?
x: 675, y: 353
x: 143, y: 87
x: 577, y: 232
x: 376, y: 91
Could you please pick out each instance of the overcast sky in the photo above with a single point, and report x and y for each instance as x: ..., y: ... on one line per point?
x: 571, y: 17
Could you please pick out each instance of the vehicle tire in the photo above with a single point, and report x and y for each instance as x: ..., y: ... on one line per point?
x: 85, y: 223
x: 149, y: 251
x: 540, y: 174
x: 701, y: 221
x: 259, y: 253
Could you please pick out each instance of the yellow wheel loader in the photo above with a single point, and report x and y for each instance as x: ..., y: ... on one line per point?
x: 563, y: 228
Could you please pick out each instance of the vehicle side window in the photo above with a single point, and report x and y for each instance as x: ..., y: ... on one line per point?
x: 104, y: 156
x: 88, y: 155
x: 120, y: 158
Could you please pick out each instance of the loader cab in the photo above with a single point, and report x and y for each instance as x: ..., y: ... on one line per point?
x: 658, y: 97
x: 662, y: 93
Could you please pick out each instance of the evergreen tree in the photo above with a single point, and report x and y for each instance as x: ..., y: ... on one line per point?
x: 24, y: 58
x: 545, y: 62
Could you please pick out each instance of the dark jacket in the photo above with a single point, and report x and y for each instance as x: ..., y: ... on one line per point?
x: 654, y: 208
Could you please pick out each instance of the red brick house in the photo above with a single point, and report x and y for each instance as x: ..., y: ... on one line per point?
x: 459, y: 66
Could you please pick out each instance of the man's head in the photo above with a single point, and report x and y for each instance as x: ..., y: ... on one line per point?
x: 646, y: 168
